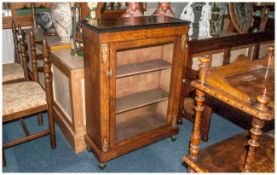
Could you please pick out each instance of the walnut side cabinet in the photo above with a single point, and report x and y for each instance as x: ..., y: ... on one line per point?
x: 133, y: 76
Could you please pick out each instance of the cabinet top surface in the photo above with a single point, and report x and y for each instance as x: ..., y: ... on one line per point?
x: 71, y: 62
x: 132, y: 23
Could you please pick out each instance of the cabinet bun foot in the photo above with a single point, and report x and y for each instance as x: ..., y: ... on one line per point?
x: 173, y: 138
x: 89, y: 149
x: 179, y: 122
x: 102, y: 166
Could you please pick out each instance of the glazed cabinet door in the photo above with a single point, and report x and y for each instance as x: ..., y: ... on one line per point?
x: 140, y: 87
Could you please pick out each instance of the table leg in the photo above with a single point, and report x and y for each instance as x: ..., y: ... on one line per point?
x: 256, y: 132
x: 199, y: 108
x: 195, y: 136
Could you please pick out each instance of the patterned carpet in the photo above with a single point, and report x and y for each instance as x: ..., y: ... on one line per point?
x: 163, y: 156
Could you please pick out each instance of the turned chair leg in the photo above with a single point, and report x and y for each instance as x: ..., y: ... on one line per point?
x: 51, y: 123
x: 4, y: 158
x: 40, y: 119
x: 49, y: 92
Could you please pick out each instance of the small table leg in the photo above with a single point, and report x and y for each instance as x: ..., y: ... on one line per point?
x: 195, y: 136
x: 194, y: 148
x: 256, y: 132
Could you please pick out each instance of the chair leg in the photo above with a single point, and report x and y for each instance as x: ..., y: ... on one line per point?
x: 4, y: 159
x: 51, y: 122
x: 205, y: 123
x: 40, y: 119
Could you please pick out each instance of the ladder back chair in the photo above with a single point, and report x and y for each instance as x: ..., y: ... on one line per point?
x: 23, y: 99
x: 17, y: 71
x: 36, y: 65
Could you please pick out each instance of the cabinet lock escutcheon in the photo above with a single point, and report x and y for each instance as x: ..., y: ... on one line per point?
x: 109, y: 73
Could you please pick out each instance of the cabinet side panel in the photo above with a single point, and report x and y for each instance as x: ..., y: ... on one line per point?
x: 61, y: 91
x: 176, y: 77
x: 92, y: 87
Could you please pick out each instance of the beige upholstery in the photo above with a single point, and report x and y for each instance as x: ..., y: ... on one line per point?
x: 12, y: 71
x: 21, y: 96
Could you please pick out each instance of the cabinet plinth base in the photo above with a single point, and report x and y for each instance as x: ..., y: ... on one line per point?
x: 130, y: 145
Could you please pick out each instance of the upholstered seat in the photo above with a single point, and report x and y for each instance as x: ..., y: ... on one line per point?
x: 22, y: 96
x: 12, y: 71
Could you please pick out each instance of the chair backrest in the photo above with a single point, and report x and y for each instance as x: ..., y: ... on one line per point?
x: 33, y: 56
x: 23, y: 51
x: 15, y: 42
x: 46, y: 69
x: 47, y: 73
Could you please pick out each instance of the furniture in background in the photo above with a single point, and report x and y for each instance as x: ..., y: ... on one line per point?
x: 241, y: 15
x: 68, y: 94
x: 133, y: 101
x: 17, y: 71
x: 54, y: 44
x: 224, y: 46
x: 21, y: 13
x: 26, y: 98
x: 107, y: 10
x: 248, y: 86
x: 262, y: 21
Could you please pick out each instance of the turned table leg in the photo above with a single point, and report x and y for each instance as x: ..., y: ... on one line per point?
x: 195, y: 136
x: 199, y: 108
x: 256, y: 132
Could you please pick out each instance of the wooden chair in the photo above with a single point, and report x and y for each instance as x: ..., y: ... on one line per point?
x: 17, y: 71
x: 37, y: 61
x: 36, y: 58
x: 26, y: 98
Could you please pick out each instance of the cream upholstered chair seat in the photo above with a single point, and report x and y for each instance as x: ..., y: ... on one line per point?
x: 12, y: 71
x: 21, y: 96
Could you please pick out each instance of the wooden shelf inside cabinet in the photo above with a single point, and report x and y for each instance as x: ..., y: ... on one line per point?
x: 229, y: 155
x: 140, y: 99
x: 142, y: 67
x: 135, y: 122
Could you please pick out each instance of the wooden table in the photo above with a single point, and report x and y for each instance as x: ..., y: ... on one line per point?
x: 241, y: 85
x: 68, y: 91
x: 225, y: 42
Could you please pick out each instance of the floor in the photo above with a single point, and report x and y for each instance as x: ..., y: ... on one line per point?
x: 163, y: 156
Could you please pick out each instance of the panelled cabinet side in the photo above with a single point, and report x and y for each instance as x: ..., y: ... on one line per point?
x: 179, y: 57
x: 92, y: 86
